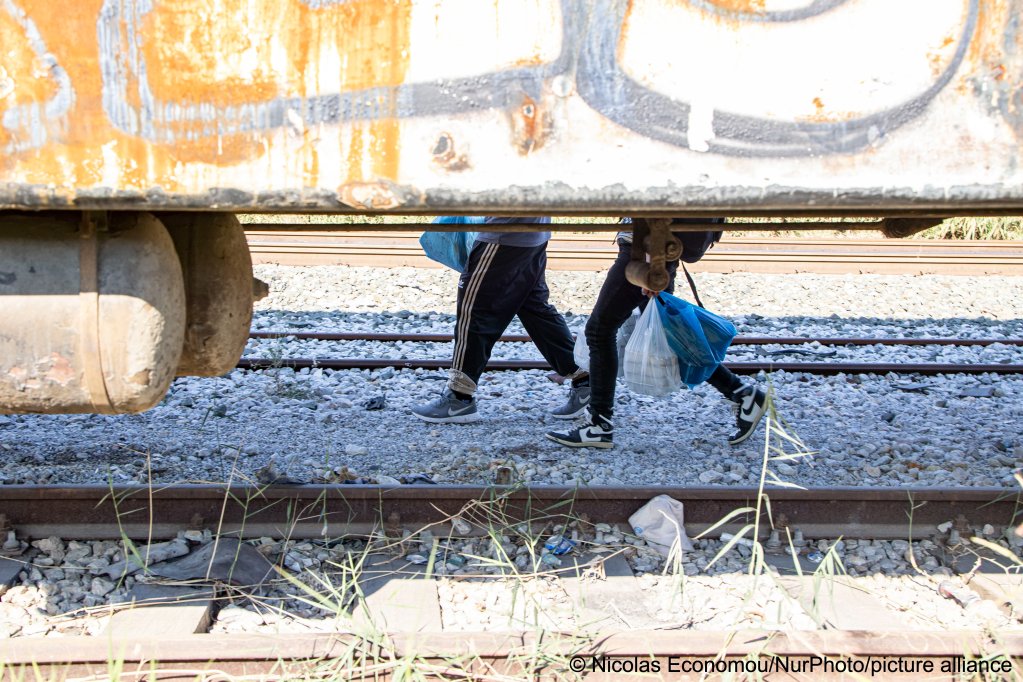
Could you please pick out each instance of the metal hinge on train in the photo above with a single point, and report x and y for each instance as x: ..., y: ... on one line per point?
x: 653, y: 246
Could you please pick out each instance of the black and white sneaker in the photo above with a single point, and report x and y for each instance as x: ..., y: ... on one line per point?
x: 596, y: 433
x: 749, y: 403
x: 448, y: 409
x: 575, y: 406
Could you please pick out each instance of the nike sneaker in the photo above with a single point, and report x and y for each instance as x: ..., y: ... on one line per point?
x: 748, y: 403
x: 448, y: 409
x: 578, y: 399
x: 596, y: 433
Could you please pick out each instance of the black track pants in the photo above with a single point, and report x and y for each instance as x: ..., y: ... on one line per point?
x: 499, y: 283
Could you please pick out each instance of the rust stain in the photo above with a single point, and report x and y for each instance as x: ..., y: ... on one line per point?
x: 213, y: 51
x: 60, y: 370
x: 24, y: 79
x: 821, y: 115
x: 531, y: 125
x: 939, y: 58
x: 385, y: 148
x: 76, y: 158
x: 525, y: 125
x: 623, y: 40
x: 992, y: 18
x: 731, y: 13
x: 445, y: 155
x: 740, y: 6
x: 216, y: 52
x: 25, y: 75
x: 374, y: 38
x: 533, y: 60
x: 372, y: 196
x: 19, y: 375
x: 995, y: 61
x: 224, y: 52
x: 355, y: 149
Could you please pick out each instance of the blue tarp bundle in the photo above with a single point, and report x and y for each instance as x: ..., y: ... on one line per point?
x: 451, y: 248
x: 698, y: 337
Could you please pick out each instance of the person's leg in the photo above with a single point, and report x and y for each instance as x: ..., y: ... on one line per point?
x: 489, y: 292
x: 552, y: 337
x: 748, y: 402
x: 546, y: 326
x: 725, y: 381
x: 615, y: 303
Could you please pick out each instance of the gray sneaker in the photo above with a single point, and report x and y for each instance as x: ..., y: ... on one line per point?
x: 448, y: 409
x: 578, y: 399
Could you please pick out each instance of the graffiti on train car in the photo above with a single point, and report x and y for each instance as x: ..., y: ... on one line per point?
x: 205, y: 80
x: 592, y: 34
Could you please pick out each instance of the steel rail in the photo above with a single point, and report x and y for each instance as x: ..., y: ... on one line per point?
x: 874, y: 223
x: 737, y: 341
x: 594, y: 252
x: 818, y: 368
x: 318, y: 511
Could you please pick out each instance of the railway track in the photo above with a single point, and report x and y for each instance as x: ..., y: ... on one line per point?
x: 819, y: 368
x: 596, y: 251
x: 738, y: 341
x: 744, y: 368
x: 395, y: 620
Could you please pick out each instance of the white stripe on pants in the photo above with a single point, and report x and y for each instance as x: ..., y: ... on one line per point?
x: 458, y: 380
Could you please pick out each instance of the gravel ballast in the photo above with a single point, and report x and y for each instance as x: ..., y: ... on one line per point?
x: 503, y: 582
x: 894, y: 430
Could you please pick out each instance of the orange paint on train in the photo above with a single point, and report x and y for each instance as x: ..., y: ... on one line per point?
x: 199, y: 51
x: 208, y: 51
x: 24, y: 77
x: 740, y: 6
x: 73, y: 158
x: 376, y: 40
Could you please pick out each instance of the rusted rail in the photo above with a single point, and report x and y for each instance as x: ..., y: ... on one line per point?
x: 316, y: 511
x: 595, y: 251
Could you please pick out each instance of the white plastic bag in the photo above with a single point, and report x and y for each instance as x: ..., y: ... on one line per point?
x: 651, y: 367
x: 581, y: 352
x: 659, y: 522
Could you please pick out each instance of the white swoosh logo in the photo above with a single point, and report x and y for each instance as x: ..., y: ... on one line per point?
x: 747, y: 407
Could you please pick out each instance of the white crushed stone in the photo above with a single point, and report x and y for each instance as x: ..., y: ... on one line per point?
x: 57, y: 595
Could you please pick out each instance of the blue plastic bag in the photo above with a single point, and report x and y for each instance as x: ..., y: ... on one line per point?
x: 698, y: 337
x: 451, y: 248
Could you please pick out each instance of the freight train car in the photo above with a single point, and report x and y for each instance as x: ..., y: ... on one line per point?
x: 131, y: 130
